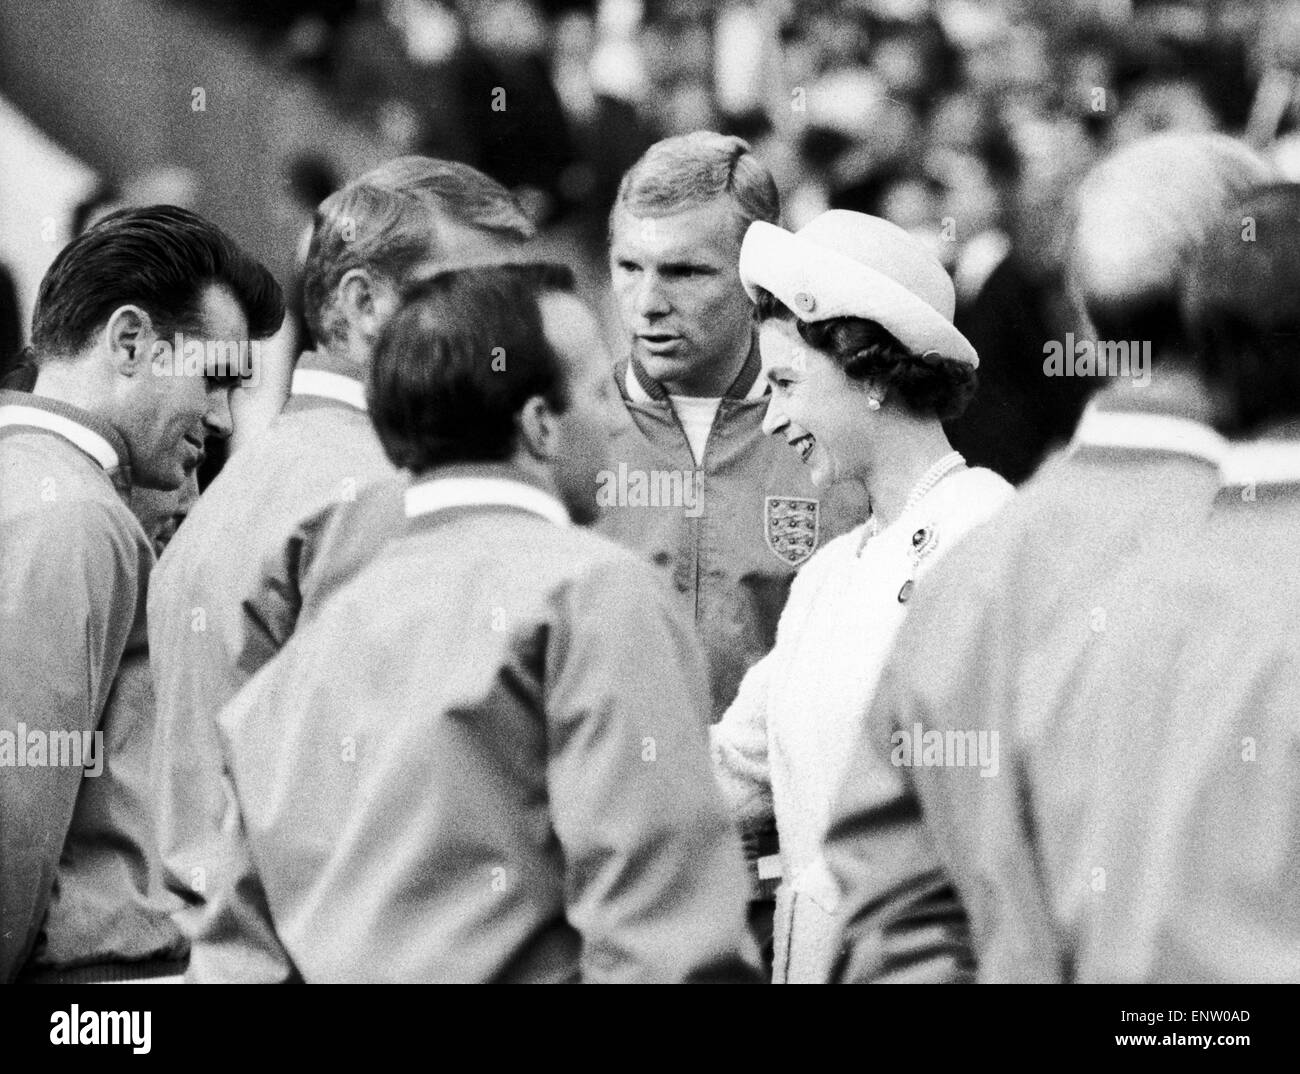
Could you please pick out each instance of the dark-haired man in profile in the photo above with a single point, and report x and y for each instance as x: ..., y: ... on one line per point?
x: 370, y: 239
x: 484, y: 758
x: 104, y: 414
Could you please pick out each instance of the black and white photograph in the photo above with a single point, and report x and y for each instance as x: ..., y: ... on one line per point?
x: 651, y: 491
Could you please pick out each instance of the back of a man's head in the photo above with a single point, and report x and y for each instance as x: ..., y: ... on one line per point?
x: 405, y: 212
x: 160, y: 258
x: 1141, y: 213
x: 692, y: 169
x: 1241, y: 305
x: 455, y: 364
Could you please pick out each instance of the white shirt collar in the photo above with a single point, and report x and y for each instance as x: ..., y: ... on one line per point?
x: 329, y: 386
x: 89, y: 441
x: 638, y: 394
x: 1263, y: 462
x: 1145, y: 431
x: 443, y: 493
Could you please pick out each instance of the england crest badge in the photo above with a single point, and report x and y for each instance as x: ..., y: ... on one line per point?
x: 791, y: 525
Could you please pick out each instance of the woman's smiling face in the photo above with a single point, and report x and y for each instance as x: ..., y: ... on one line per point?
x: 814, y: 406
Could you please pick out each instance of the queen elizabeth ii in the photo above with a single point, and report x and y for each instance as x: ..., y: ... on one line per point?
x: 864, y: 364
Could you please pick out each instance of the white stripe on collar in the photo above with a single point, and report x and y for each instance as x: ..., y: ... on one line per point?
x: 639, y: 395
x: 329, y: 386
x: 1263, y: 462
x: 634, y: 390
x: 442, y: 493
x: 87, y: 440
x: 1143, y: 431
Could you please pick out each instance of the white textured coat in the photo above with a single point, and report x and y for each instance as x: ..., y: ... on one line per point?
x: 781, y: 748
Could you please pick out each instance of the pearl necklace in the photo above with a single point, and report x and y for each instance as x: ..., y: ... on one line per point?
x: 951, y: 462
x: 954, y: 460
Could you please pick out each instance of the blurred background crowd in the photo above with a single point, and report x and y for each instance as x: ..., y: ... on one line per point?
x: 967, y: 122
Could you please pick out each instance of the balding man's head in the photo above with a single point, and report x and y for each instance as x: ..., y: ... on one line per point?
x: 1240, y: 301
x: 413, y: 214
x: 1140, y: 214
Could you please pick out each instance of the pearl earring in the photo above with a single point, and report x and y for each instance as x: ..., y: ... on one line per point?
x: 873, y: 403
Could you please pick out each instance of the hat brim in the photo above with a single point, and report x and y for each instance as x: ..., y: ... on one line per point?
x: 796, y: 270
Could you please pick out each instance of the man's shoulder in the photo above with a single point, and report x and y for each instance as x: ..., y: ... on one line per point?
x: 542, y: 574
x: 1203, y: 575
x: 304, y: 449
x: 100, y: 522
x: 579, y: 553
x: 542, y: 556
x: 90, y: 548
x: 378, y: 503
x: 1069, y: 510
x: 278, y: 483
x: 575, y: 567
x: 333, y: 544
x: 303, y: 424
x: 1175, y: 607
x: 42, y: 468
x: 44, y: 489
x: 593, y: 588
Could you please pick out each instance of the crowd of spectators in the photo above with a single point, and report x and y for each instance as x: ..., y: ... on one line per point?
x: 968, y: 123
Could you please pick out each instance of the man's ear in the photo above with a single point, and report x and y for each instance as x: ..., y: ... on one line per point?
x: 538, y: 431
x: 358, y: 299
x: 128, y: 336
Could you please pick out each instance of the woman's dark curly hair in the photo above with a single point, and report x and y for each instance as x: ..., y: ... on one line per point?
x: 926, y: 384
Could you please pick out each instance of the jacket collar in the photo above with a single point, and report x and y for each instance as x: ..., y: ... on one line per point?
x: 481, y: 486
x: 640, y: 387
x: 319, y: 377
x: 1148, y: 432
x: 1263, y: 462
x: 91, y: 435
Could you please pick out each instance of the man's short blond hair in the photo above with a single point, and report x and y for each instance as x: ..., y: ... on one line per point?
x: 691, y: 169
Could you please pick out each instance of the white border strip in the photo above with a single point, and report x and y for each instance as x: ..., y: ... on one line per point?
x: 88, y: 440
x: 1263, y: 462
x: 329, y: 386
x: 1149, y: 432
x: 443, y: 493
